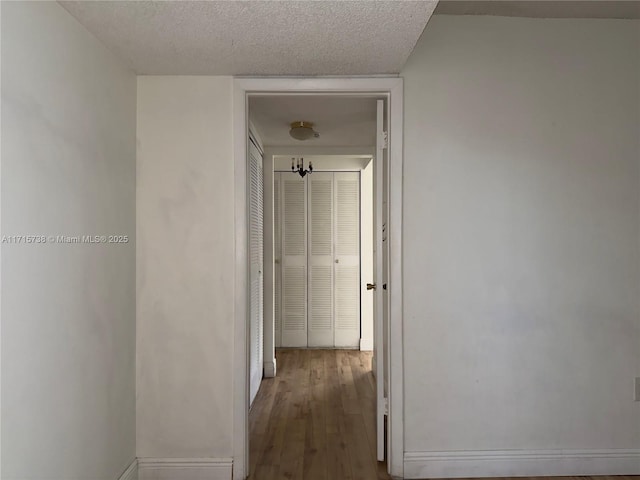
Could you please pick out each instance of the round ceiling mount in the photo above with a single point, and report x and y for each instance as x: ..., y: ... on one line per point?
x: 303, y: 130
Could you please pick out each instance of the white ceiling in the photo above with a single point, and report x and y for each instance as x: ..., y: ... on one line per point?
x: 324, y: 162
x: 542, y: 9
x: 341, y: 121
x: 257, y: 37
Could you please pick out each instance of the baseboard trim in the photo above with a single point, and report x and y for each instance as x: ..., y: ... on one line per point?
x: 131, y: 473
x: 366, y: 344
x: 270, y: 369
x: 185, y: 468
x: 521, y: 463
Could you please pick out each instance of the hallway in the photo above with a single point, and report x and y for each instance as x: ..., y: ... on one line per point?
x: 316, y: 419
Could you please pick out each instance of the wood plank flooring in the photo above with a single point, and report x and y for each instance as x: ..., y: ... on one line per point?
x: 316, y: 420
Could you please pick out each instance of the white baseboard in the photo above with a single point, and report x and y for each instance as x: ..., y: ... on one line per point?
x: 185, y: 468
x: 366, y: 344
x: 521, y: 463
x: 270, y: 369
x: 131, y: 473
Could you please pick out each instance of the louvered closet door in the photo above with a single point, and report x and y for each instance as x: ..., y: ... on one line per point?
x: 321, y: 260
x: 293, y: 261
x: 277, y: 251
x: 347, y: 259
x: 256, y: 217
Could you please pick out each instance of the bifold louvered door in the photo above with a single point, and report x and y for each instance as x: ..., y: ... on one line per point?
x: 277, y: 255
x: 256, y: 240
x: 321, y: 258
x: 346, y: 221
x: 293, y: 261
x: 329, y: 222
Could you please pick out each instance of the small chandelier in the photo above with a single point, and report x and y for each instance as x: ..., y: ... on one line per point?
x: 297, y: 166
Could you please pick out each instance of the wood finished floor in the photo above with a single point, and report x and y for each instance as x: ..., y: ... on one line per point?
x: 316, y: 420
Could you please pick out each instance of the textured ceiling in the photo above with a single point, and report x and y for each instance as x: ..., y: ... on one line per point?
x: 341, y: 121
x: 258, y: 37
x: 542, y: 9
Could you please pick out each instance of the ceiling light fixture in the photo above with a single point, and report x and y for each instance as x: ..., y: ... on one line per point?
x: 299, y: 167
x: 303, y: 131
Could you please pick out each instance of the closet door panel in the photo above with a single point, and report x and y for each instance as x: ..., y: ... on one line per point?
x: 347, y: 259
x: 321, y: 283
x: 293, y: 261
x: 256, y: 254
x: 277, y: 251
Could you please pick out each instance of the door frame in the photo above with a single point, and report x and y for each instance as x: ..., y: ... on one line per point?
x: 392, y: 89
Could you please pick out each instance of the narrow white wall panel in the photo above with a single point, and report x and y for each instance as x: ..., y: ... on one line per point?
x: 185, y: 253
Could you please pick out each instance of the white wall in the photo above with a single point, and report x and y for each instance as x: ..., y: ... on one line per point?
x: 522, y: 247
x: 185, y: 267
x: 68, y: 310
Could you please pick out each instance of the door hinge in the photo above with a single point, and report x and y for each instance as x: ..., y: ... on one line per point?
x: 383, y: 140
x: 386, y: 406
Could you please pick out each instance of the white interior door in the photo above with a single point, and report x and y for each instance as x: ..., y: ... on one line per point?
x: 256, y: 239
x: 346, y: 221
x: 321, y: 258
x: 277, y: 256
x: 381, y: 315
x: 293, y: 266
x: 323, y: 209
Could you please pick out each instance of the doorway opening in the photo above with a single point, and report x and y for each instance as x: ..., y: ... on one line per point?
x: 304, y: 281
x: 322, y: 252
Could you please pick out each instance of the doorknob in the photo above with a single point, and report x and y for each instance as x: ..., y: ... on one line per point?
x: 371, y: 286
